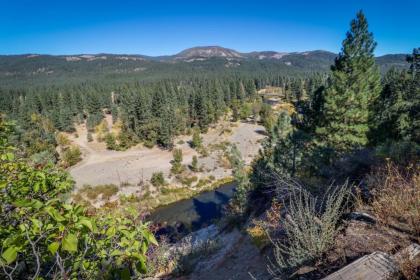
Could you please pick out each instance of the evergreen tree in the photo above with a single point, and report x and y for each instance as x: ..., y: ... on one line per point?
x: 177, y: 161
x: 355, y: 84
x: 238, y: 202
x: 196, y: 139
x: 397, y: 108
x: 194, y: 164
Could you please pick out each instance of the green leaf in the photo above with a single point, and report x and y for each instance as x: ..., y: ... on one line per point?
x: 54, y: 214
x: 70, y: 243
x: 22, y: 203
x: 28, y: 203
x: 9, y: 156
x: 111, y: 231
x: 125, y: 274
x: 153, y: 240
x: 144, y: 247
x: 10, y: 255
x: 141, y: 266
x: 36, y: 224
x: 116, y: 253
x: 86, y: 264
x: 3, y: 184
x: 53, y: 247
x: 150, y: 237
x: 87, y: 223
x: 36, y: 186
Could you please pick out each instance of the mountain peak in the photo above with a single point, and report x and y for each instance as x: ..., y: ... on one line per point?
x: 207, y: 52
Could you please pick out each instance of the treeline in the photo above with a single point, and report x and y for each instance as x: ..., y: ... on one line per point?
x: 152, y: 113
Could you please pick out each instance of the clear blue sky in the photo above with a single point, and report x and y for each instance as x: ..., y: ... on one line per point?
x: 167, y: 27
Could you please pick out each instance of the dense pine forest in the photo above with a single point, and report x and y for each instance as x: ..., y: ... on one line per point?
x: 352, y: 128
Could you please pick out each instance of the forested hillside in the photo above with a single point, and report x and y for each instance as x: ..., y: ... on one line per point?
x: 19, y: 71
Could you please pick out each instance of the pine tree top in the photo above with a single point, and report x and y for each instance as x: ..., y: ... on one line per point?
x: 357, y: 47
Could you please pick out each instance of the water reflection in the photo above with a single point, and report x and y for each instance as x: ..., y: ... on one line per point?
x: 180, y: 218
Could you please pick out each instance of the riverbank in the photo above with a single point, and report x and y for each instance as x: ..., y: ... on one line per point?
x: 170, y: 195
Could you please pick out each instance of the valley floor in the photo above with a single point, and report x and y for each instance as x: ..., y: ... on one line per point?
x: 102, y: 166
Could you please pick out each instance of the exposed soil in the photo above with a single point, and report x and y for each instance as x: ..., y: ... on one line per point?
x: 238, y: 259
x: 102, y: 166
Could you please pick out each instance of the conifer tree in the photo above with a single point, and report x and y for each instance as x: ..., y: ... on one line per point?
x: 354, y: 85
x: 194, y: 164
x: 196, y: 141
x: 177, y: 161
x: 397, y: 108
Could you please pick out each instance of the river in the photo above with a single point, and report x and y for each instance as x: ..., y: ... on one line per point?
x: 180, y: 218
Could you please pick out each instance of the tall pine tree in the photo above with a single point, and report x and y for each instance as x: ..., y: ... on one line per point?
x: 355, y: 83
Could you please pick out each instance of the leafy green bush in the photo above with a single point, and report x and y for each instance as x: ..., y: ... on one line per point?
x: 43, y: 236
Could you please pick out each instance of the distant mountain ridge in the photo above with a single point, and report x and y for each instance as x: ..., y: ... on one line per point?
x: 207, y: 52
x: 35, y: 69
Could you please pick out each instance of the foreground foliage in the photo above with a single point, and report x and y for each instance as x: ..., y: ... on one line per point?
x: 43, y: 236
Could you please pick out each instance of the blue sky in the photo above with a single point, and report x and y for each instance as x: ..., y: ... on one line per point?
x: 167, y: 27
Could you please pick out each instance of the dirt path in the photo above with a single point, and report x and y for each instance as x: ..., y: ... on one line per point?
x: 102, y: 166
x: 238, y: 259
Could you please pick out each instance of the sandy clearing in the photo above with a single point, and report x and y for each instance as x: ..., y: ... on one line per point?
x: 101, y: 166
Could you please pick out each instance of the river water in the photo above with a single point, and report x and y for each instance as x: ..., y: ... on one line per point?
x: 180, y: 218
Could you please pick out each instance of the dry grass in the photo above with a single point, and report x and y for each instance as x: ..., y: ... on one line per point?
x: 397, y: 197
x: 258, y: 235
x: 71, y: 156
x: 224, y: 162
x: 409, y: 266
x: 62, y: 139
x: 101, y: 130
x: 105, y: 191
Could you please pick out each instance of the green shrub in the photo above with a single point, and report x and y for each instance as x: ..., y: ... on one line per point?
x: 62, y: 139
x: 111, y: 143
x: 177, y: 166
x: 43, y: 158
x: 196, y: 141
x: 188, y: 180
x: 194, y: 164
x: 71, y: 156
x: 158, y: 179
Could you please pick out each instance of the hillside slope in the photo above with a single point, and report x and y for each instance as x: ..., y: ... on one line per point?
x: 33, y: 69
